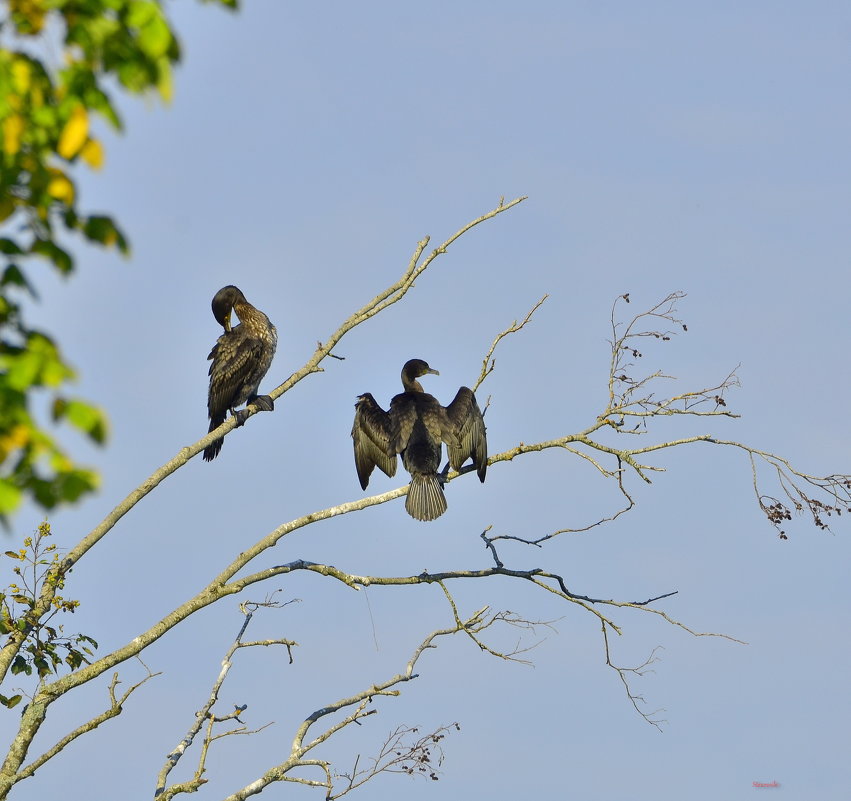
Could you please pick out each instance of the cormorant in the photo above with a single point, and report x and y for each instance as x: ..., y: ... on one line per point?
x: 415, y: 426
x: 240, y: 359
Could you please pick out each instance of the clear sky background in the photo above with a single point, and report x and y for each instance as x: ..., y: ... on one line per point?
x: 663, y: 146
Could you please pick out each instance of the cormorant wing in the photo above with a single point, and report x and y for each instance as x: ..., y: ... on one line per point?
x: 402, y: 416
x: 372, y: 435
x: 234, y: 359
x: 469, y: 428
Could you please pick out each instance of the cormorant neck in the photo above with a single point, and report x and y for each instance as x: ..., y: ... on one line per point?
x: 249, y: 315
x: 241, y: 306
x: 411, y: 384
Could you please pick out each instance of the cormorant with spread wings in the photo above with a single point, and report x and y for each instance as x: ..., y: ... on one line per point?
x: 415, y: 427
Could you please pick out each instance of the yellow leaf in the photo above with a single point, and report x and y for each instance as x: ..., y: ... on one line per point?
x: 17, y: 438
x: 61, y: 463
x: 21, y: 75
x: 92, y: 154
x: 13, y: 128
x: 60, y: 187
x: 74, y: 133
x: 164, y: 83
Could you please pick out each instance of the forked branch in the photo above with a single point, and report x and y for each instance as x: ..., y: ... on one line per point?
x: 346, y: 711
x: 114, y: 709
x: 205, y: 716
x: 638, y: 702
x: 404, y: 751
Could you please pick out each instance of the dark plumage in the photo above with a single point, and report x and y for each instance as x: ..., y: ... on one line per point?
x: 240, y: 359
x: 416, y: 426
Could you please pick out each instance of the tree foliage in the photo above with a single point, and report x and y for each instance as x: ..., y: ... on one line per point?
x: 51, y: 105
x: 45, y: 648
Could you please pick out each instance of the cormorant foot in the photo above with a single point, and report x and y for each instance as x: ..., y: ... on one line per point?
x: 263, y: 402
x: 241, y: 416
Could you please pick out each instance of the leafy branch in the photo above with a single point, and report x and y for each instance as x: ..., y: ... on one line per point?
x: 40, y: 645
x: 60, y: 64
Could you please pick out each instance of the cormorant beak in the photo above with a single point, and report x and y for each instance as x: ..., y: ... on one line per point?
x: 432, y: 372
x: 226, y: 323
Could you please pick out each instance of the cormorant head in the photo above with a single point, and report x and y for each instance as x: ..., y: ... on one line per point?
x: 416, y: 368
x: 223, y: 302
x: 412, y: 370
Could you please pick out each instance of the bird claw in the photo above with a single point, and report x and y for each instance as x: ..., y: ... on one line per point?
x: 264, y: 403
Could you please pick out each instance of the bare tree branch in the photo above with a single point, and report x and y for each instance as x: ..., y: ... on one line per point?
x: 628, y: 397
x: 624, y: 400
x: 392, y: 294
x: 115, y: 708
x: 637, y: 701
x: 399, y: 755
x: 488, y: 363
x: 537, y: 541
x: 205, y: 713
x: 358, y: 704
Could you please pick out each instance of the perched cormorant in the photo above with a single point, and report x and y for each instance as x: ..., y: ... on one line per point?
x: 240, y: 359
x: 415, y: 426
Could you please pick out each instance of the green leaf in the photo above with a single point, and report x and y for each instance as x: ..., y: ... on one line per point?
x: 155, y: 37
x: 12, y: 702
x: 89, y: 419
x: 23, y: 368
x: 9, y: 246
x: 39, y: 364
x: 99, y: 228
x: 50, y: 250
x: 78, y: 483
x: 10, y: 496
x: 19, y: 665
x: 140, y: 12
x: 12, y: 276
x: 135, y: 75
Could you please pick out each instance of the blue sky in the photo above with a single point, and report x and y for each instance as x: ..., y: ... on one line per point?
x: 663, y: 147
